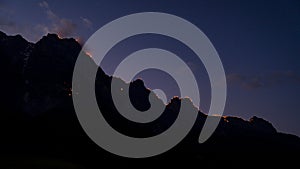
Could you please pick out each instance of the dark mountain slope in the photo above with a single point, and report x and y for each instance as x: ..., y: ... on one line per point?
x: 39, y: 126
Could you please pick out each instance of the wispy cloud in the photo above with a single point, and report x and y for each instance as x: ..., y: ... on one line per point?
x: 87, y: 22
x: 268, y: 79
x: 53, y: 23
x: 43, y: 4
x: 62, y: 26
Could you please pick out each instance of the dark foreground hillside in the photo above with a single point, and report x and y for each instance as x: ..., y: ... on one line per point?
x: 39, y: 128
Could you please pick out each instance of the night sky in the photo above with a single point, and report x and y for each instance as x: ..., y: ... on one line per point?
x: 258, y: 43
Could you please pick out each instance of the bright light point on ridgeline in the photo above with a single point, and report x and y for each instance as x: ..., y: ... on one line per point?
x: 59, y: 36
x: 89, y: 54
x: 161, y: 94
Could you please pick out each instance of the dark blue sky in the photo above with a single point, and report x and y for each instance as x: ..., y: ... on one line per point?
x: 258, y: 43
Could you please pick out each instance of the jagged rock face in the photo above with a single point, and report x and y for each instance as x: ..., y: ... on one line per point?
x: 52, y: 60
x: 48, y: 73
x: 13, y: 52
x: 37, y: 85
x: 43, y: 74
x: 137, y: 93
x: 262, y: 125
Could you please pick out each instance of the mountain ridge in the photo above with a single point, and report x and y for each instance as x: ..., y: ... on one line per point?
x: 53, y: 38
x: 38, y: 78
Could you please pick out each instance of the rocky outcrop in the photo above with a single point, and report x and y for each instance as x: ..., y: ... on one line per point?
x: 36, y: 104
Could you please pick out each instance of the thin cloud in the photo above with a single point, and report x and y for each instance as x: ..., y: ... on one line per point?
x: 54, y: 23
x: 51, y: 15
x: 62, y: 26
x: 87, y: 22
x: 269, y: 79
x: 11, y: 26
x: 43, y: 4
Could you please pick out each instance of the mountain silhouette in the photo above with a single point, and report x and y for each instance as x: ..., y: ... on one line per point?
x: 39, y: 127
